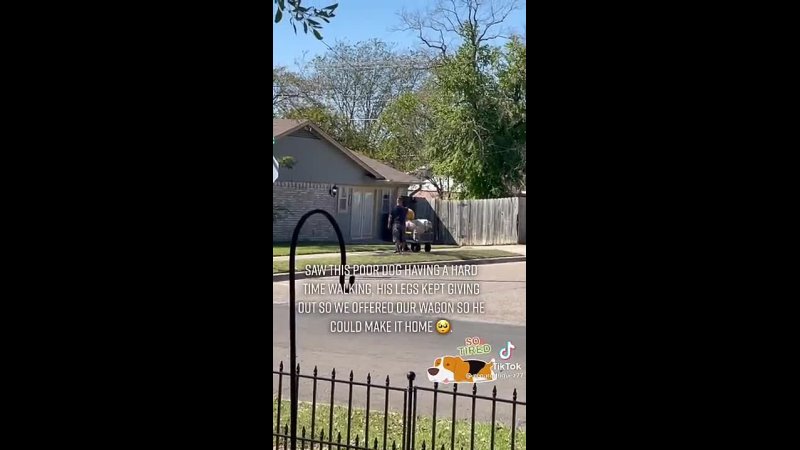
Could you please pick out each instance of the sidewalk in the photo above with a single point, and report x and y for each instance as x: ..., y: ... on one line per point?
x: 518, y: 249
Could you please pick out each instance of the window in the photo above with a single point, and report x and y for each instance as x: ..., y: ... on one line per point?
x: 385, y: 204
x: 344, y: 199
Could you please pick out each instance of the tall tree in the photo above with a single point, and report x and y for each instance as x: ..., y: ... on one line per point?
x: 474, y: 130
x: 406, y: 127
x: 291, y: 91
x: 441, y: 27
x: 354, y: 83
x: 513, y: 83
x: 357, y: 81
x: 479, y: 137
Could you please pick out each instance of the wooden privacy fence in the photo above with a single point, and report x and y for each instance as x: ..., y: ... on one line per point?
x: 474, y: 222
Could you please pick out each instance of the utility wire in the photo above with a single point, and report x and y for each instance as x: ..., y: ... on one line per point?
x: 374, y: 66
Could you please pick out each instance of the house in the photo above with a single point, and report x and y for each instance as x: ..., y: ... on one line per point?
x: 356, y: 190
x: 428, y: 190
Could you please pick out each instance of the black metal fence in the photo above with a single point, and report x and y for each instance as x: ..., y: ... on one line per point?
x: 413, y: 435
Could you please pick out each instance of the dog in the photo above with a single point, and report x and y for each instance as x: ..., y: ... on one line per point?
x: 454, y: 369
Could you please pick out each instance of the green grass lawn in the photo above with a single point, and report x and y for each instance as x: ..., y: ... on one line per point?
x: 312, y: 249
x: 463, y: 255
x: 502, y: 432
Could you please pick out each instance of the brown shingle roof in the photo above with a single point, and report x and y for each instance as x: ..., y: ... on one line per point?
x: 388, y: 172
x: 281, y: 126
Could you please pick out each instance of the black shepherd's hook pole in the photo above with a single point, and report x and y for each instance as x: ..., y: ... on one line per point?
x: 292, y: 340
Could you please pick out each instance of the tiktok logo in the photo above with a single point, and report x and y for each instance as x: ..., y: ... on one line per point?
x: 505, y: 353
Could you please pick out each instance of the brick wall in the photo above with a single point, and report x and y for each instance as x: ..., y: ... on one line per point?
x: 299, y: 198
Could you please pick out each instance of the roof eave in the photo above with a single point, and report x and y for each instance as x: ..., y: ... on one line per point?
x: 401, y: 182
x: 289, y: 131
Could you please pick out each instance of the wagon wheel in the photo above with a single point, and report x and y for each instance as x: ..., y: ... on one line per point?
x: 427, y: 247
x: 415, y: 247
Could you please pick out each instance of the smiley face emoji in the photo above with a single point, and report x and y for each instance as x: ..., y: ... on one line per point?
x: 442, y: 327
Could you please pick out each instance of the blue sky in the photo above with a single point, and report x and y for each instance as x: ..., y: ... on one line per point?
x: 357, y: 20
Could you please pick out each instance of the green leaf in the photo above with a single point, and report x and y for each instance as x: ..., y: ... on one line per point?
x: 278, y: 16
x: 332, y: 7
x: 287, y: 162
x: 295, y: 28
x: 316, y: 33
x: 313, y: 23
x: 305, y: 28
x: 281, y: 4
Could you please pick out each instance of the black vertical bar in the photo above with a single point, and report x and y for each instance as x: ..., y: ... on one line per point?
x: 339, y: 440
x: 375, y: 445
x: 405, y: 420
x: 330, y: 415
x: 513, y: 418
x: 297, y: 400
x: 494, y: 406
x: 292, y: 336
x: 280, y: 391
x: 286, y: 436
x: 313, y: 406
x: 366, y: 427
x: 303, y: 439
x: 414, y: 423
x: 322, y: 438
x: 292, y: 321
x: 472, y: 429
x: 423, y: 445
x: 433, y: 424
x: 409, y: 420
x: 386, y: 413
x: 356, y: 446
x: 349, y: 407
x: 453, y: 426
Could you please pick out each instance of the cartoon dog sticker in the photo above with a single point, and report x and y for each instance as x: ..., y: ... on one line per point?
x: 454, y: 369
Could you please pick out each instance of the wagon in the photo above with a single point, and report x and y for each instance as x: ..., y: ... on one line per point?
x: 421, y: 234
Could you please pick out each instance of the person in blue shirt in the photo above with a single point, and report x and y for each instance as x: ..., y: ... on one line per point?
x: 397, y: 223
